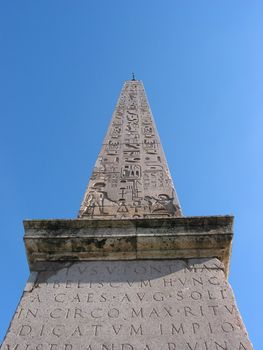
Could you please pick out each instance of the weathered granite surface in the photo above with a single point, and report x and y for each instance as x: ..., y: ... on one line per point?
x: 182, y: 304
x: 159, y: 238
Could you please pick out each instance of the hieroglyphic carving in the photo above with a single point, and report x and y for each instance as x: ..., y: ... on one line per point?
x: 96, y: 200
x: 150, y: 146
x: 116, y: 131
x: 162, y: 203
x: 131, y: 165
x: 131, y: 172
x: 113, y: 147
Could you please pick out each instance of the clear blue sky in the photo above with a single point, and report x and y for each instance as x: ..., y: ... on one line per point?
x: 62, y: 65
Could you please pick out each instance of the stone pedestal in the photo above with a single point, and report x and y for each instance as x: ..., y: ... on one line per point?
x: 155, y: 285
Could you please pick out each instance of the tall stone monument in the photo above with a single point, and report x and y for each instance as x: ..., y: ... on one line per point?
x: 131, y: 272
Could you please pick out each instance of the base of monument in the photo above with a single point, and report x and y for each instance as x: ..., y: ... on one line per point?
x: 128, y: 305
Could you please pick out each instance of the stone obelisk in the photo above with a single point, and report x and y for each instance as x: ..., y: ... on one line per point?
x: 131, y: 178
x: 131, y: 272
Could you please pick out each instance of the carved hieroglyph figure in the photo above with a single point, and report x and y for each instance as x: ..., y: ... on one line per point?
x: 96, y: 201
x: 131, y: 177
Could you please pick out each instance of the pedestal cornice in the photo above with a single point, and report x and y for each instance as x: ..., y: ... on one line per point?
x: 129, y: 239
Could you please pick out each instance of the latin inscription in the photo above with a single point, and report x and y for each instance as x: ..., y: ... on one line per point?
x: 154, y: 305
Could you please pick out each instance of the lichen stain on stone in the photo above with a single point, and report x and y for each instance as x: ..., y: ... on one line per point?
x: 99, y: 243
x: 67, y: 258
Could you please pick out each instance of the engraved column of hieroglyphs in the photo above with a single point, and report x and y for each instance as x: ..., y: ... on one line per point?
x: 158, y: 186
x: 131, y: 170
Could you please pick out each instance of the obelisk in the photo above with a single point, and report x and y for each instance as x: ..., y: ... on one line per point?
x: 131, y: 178
x: 131, y: 272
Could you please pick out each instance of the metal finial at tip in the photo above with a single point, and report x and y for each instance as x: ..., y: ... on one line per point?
x: 133, y: 76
